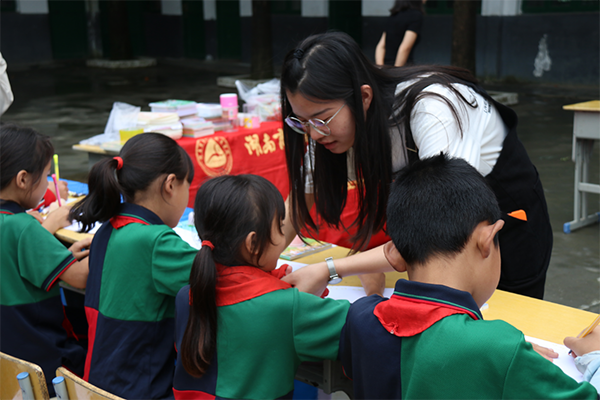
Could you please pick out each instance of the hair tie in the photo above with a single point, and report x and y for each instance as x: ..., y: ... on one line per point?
x: 208, y: 243
x: 119, y: 162
x: 299, y: 53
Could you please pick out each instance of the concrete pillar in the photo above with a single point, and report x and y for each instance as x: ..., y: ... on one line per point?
x: 315, y: 8
x: 210, y: 10
x: 171, y: 7
x: 500, y: 8
x: 245, y: 8
x: 377, y: 8
x: 32, y: 6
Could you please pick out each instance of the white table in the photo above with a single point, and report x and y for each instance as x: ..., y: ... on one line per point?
x: 586, y: 129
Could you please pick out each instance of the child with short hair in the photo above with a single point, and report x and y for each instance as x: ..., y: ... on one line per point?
x: 428, y: 340
x: 32, y: 260
x: 241, y: 332
x: 137, y: 265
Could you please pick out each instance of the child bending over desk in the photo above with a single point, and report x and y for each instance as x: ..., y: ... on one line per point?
x: 137, y: 265
x: 32, y: 260
x: 241, y: 332
x: 429, y: 340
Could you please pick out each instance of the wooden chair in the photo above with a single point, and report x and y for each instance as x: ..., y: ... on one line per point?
x: 78, y: 389
x: 10, y: 367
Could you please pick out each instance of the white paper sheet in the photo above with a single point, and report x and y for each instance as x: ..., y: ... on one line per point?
x: 190, y: 237
x: 564, y: 360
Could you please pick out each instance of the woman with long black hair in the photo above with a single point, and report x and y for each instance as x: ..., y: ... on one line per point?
x: 348, y: 120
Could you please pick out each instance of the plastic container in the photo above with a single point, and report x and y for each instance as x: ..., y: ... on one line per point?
x: 229, y: 106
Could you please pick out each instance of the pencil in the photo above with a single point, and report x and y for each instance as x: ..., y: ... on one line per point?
x: 590, y: 328
x: 56, y: 167
x: 56, y: 188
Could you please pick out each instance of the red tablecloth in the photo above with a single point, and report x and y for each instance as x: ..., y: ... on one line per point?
x: 257, y: 151
x: 261, y: 152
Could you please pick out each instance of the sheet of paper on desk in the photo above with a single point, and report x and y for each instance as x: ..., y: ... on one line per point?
x: 352, y: 293
x: 294, y: 264
x: 564, y: 360
x: 191, y: 237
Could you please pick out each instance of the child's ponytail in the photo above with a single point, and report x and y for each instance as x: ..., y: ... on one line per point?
x: 142, y: 160
x: 226, y: 210
x: 200, y: 337
x: 104, y: 194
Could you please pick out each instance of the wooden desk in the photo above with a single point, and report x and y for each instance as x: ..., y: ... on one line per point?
x: 536, y: 318
x: 586, y: 129
x: 95, y: 153
x: 69, y: 236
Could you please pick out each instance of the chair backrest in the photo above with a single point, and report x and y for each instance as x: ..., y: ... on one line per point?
x: 10, y: 367
x: 78, y: 389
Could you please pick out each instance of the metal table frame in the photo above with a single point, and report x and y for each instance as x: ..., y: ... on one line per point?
x: 586, y: 130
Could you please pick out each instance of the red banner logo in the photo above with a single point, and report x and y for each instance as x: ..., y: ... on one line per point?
x: 214, y: 156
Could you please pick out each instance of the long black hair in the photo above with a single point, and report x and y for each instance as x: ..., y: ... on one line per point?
x: 23, y: 148
x: 226, y: 210
x: 331, y: 66
x: 403, y: 5
x: 145, y: 158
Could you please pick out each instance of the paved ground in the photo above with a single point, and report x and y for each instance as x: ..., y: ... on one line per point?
x: 71, y: 102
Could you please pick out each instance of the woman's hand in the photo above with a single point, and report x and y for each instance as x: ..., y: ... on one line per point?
x: 581, y: 346
x: 310, y: 279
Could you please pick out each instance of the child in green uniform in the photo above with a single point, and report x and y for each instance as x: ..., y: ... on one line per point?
x: 241, y: 332
x: 137, y: 265
x: 32, y: 260
x: 429, y: 339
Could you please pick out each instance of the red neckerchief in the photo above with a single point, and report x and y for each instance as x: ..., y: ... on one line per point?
x: 408, y: 316
x: 120, y: 221
x: 237, y: 284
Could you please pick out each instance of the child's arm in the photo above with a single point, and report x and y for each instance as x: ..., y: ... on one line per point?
x: 76, y: 275
x: 587, y: 351
x: 57, y: 219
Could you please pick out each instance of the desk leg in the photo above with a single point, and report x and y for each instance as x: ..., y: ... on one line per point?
x: 582, y: 153
x: 93, y: 158
x: 327, y: 376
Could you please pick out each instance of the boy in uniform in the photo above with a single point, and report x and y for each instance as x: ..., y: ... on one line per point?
x: 429, y: 339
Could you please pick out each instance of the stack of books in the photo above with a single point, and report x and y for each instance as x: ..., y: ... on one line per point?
x: 298, y: 248
x: 166, y: 123
x: 209, y: 110
x: 197, y: 127
x: 182, y: 108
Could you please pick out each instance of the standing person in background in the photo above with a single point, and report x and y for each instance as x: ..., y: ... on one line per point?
x: 6, y: 95
x: 401, y: 35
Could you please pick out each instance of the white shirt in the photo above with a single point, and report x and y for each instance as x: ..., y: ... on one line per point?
x: 6, y: 95
x: 435, y: 130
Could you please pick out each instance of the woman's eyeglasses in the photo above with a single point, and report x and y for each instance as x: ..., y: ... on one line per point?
x: 322, y: 127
